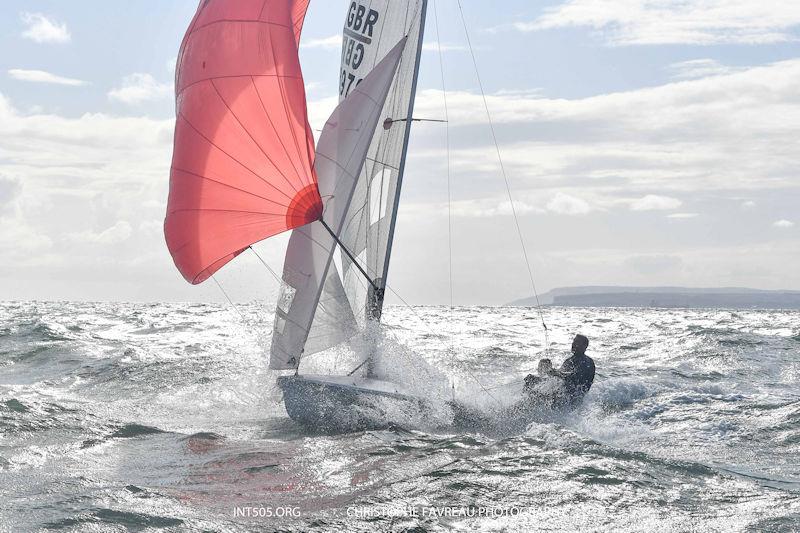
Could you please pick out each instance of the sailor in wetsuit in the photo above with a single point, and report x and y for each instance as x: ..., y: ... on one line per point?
x: 576, y: 374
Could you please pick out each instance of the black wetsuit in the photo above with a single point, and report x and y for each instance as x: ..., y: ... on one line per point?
x: 578, y: 375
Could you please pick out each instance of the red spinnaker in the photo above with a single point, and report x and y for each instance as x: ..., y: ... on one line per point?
x: 242, y: 165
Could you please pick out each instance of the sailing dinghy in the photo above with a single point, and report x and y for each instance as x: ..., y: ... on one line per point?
x: 244, y: 169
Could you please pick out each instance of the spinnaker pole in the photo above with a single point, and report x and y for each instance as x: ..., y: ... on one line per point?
x: 349, y: 255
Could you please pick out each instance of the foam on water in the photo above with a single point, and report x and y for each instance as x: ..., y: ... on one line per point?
x: 164, y: 416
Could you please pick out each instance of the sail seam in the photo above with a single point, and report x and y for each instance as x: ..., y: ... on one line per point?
x: 199, y: 176
x: 283, y: 101
x: 276, y: 75
x: 247, y: 21
x: 181, y: 115
x: 227, y: 211
x: 272, y: 124
x: 233, y: 114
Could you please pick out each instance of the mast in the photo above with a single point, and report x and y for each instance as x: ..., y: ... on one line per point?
x: 376, y: 295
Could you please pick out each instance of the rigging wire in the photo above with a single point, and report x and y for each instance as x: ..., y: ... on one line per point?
x: 449, y: 190
x: 274, y: 275
x: 505, y: 179
x: 447, y: 149
x: 244, y: 320
x: 230, y: 301
x: 393, y: 291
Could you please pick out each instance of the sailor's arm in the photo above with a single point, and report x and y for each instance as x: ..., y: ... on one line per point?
x: 564, y: 372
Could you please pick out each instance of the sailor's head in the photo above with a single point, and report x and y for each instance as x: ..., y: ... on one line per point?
x: 579, y: 344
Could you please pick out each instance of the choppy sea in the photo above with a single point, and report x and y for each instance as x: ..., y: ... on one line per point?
x: 164, y: 417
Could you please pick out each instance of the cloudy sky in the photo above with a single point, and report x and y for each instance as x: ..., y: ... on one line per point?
x: 647, y: 142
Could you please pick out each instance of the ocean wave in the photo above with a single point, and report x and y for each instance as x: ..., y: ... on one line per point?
x: 103, y: 517
x: 130, y: 431
x: 167, y: 415
x: 15, y: 405
x: 18, y: 417
x: 620, y: 393
x: 40, y: 330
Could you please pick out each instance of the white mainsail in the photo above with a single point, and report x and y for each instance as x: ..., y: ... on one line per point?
x: 371, y: 28
x: 310, y: 284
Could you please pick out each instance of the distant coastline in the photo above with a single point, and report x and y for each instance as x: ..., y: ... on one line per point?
x: 617, y: 296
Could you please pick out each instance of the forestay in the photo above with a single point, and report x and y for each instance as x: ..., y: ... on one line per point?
x: 308, y: 277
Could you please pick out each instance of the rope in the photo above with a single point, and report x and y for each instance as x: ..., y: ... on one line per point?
x: 388, y: 287
x: 505, y: 178
x: 244, y: 320
x: 230, y: 301
x: 274, y: 275
x: 449, y: 190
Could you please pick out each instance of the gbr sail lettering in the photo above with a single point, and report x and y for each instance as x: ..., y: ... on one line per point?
x: 358, y: 33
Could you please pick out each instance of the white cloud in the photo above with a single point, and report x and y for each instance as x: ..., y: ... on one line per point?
x: 698, y: 68
x: 138, y: 88
x: 565, y: 204
x: 712, y: 134
x: 783, y: 223
x: 748, y: 204
x: 334, y: 42
x: 709, y: 134
x: 699, y: 22
x: 119, y: 232
x: 152, y: 228
x: 40, y: 76
x: 483, y: 208
x: 312, y: 86
x: 683, y: 215
x: 81, y: 173
x: 36, y: 135
x: 654, y: 202
x: 319, y: 110
x: 432, y: 46
x: 44, y: 30
x: 9, y: 190
x: 18, y: 240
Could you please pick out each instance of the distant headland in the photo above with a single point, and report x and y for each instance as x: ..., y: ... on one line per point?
x: 615, y: 296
